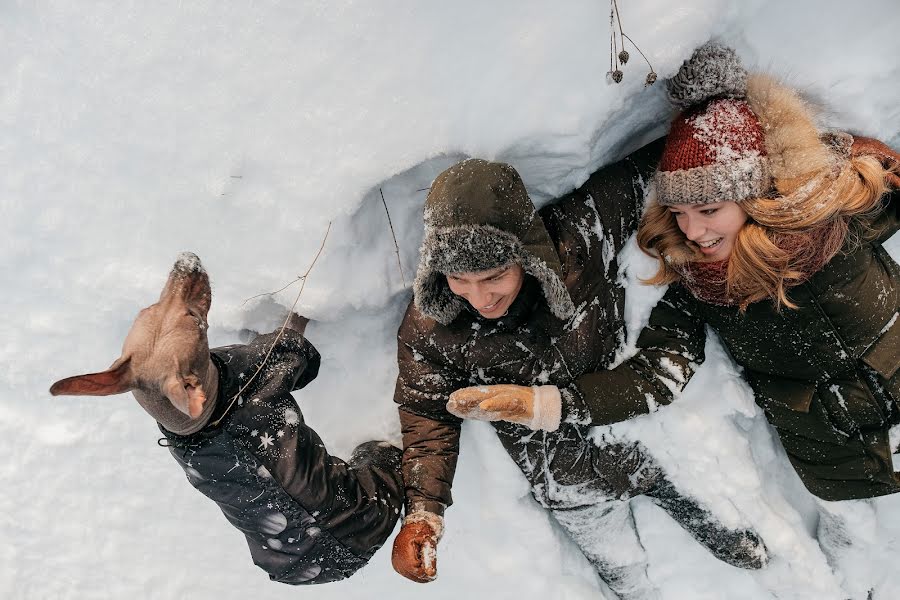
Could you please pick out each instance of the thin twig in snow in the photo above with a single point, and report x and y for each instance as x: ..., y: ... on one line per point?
x: 393, y: 235
x: 280, y: 331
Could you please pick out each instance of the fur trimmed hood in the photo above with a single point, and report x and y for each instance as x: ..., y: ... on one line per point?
x: 796, y: 148
x: 477, y: 217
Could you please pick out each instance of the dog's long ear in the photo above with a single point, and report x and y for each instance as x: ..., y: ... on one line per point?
x: 115, y: 380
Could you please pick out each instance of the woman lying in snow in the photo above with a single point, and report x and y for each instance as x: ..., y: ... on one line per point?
x: 772, y: 235
x: 308, y: 517
x: 507, y: 295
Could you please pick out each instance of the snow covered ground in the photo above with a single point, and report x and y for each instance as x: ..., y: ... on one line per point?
x: 238, y: 130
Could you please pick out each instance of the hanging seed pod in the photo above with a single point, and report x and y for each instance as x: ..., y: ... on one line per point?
x: 618, y: 56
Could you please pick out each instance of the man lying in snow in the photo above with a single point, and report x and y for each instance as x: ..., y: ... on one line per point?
x: 231, y: 423
x: 507, y: 295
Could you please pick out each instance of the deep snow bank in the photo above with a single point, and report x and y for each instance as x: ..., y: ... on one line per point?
x: 238, y: 130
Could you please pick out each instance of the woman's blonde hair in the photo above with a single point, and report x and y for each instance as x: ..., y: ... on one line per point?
x: 764, y: 263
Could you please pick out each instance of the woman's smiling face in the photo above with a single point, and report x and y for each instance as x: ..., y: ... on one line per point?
x: 489, y: 292
x: 712, y: 227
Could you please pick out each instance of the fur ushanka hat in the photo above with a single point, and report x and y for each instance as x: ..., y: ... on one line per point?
x: 478, y: 217
x: 740, y: 136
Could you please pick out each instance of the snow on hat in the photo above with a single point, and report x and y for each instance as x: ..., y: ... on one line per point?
x: 716, y: 149
x: 478, y: 216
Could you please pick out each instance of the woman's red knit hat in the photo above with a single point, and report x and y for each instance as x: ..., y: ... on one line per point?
x: 715, y: 150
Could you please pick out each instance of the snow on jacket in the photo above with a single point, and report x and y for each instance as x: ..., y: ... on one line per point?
x: 531, y: 345
x: 826, y: 374
x: 308, y: 517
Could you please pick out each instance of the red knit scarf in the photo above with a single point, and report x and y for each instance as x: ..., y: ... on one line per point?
x: 810, y: 251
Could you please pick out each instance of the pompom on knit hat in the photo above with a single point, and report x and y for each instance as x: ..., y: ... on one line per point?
x: 716, y: 148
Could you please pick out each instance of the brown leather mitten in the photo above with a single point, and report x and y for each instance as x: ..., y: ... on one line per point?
x: 537, y: 407
x: 890, y: 160
x: 415, y: 547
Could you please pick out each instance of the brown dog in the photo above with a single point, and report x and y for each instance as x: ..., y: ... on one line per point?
x: 308, y: 517
x: 165, y: 359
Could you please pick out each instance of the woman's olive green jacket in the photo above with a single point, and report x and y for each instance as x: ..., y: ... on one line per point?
x: 825, y: 374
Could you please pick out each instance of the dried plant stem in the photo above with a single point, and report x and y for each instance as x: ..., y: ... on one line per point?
x: 286, y: 286
x: 280, y: 331
x: 615, y: 20
x: 613, y: 49
x: 393, y: 235
x: 639, y: 50
x: 619, y: 19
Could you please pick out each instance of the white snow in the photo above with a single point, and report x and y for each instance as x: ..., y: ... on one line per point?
x: 291, y: 417
x: 890, y: 323
x: 238, y: 131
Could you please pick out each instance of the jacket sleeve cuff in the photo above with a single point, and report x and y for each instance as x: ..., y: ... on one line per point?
x: 436, y: 522
x: 431, y: 506
x: 547, y: 408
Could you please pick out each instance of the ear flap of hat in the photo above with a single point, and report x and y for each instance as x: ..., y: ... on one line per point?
x: 434, y: 299
x: 558, y: 298
x: 541, y: 262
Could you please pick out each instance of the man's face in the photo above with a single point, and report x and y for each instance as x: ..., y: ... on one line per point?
x: 489, y: 292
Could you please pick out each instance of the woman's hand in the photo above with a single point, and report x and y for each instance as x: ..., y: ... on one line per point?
x: 537, y: 407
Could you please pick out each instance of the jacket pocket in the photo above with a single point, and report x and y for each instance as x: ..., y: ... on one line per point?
x: 883, y: 357
x: 884, y: 354
x: 850, y: 404
x: 794, y: 405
